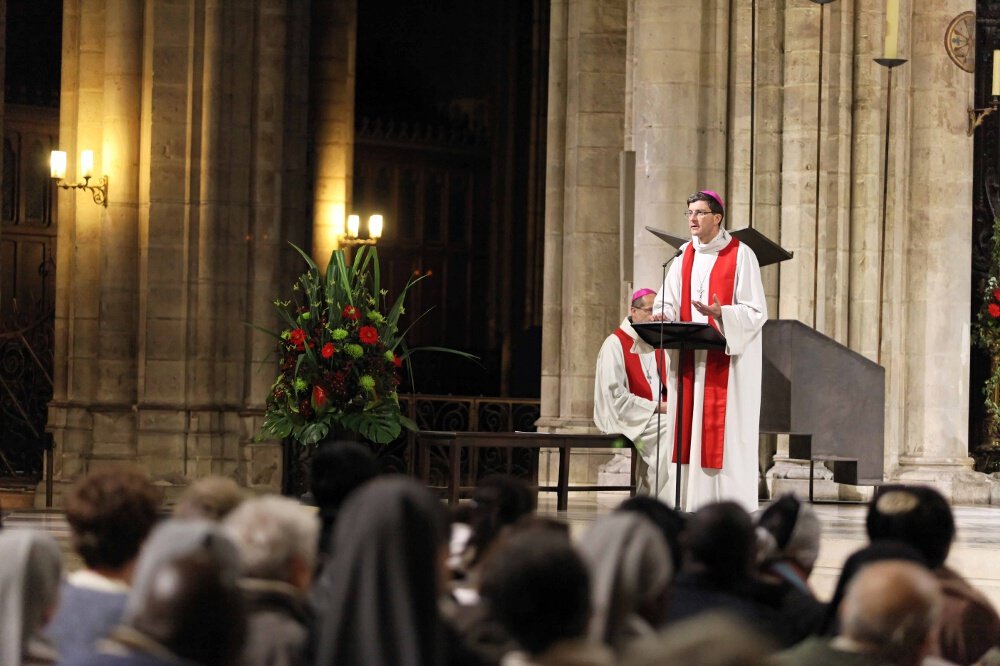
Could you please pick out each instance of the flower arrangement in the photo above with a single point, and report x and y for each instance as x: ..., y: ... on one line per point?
x: 987, y: 332
x: 340, y: 354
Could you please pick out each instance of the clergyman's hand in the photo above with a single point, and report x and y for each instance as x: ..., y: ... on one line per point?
x: 713, y: 310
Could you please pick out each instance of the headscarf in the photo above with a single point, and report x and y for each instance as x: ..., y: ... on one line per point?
x: 30, y: 569
x: 630, y: 568
x: 795, y: 532
x: 170, y: 540
x: 377, y: 596
x: 199, y: 618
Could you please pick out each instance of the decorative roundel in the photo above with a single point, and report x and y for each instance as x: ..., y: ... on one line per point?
x: 960, y: 41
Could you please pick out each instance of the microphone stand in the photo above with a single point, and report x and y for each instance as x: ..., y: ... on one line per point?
x: 659, y: 389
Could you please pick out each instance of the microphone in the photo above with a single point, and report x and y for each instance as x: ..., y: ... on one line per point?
x: 675, y: 255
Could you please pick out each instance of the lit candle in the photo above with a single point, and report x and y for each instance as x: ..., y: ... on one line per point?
x: 996, y: 74
x: 86, y: 163
x: 375, y: 226
x: 891, y: 29
x: 353, y: 225
x: 57, y: 164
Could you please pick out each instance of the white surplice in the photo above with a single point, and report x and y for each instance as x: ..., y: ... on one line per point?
x: 619, y: 411
x: 741, y: 324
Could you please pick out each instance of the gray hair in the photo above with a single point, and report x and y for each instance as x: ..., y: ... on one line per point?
x: 269, y: 531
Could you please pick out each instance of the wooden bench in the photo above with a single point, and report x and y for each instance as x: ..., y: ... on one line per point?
x: 564, y: 443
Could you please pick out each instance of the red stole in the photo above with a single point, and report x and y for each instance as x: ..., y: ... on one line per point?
x: 634, y: 373
x: 721, y: 283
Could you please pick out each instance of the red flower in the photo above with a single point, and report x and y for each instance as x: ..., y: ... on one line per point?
x: 328, y: 350
x: 298, y: 337
x: 368, y: 335
x: 994, y: 310
x: 396, y: 361
x: 319, y: 397
x: 996, y: 294
x: 351, y: 312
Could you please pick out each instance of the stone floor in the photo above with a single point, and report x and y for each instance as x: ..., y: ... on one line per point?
x: 973, y: 554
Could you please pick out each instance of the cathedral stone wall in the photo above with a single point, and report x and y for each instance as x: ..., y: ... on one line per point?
x: 197, y: 113
x: 784, y: 113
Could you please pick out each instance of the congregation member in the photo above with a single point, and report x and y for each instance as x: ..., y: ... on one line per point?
x: 629, y: 394
x: 630, y: 570
x: 717, y: 574
x: 498, y: 500
x: 377, y: 597
x: 788, y: 533
x: 30, y: 567
x: 472, y: 619
x: 716, y: 281
x: 209, y: 498
x: 537, y: 587
x: 338, y: 468
x: 919, y: 516
x: 887, y: 619
x: 110, y: 513
x: 874, y: 552
x: 670, y: 523
x: 184, y: 606
x: 276, y: 539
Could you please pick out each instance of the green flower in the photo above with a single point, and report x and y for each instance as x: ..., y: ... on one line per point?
x: 304, y: 315
x: 301, y: 384
x: 389, y: 356
x: 285, y: 334
x: 367, y: 383
x: 375, y: 317
x: 354, y: 350
x: 338, y: 334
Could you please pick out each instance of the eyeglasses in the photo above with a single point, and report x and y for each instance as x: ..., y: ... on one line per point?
x: 649, y: 309
x: 699, y: 213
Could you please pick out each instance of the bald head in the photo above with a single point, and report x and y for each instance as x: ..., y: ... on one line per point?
x: 891, y: 606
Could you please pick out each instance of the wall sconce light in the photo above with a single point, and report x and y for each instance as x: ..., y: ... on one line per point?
x: 57, y: 169
x: 375, y: 223
x: 977, y: 116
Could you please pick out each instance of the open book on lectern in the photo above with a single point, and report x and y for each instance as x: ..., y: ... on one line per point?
x: 680, y: 335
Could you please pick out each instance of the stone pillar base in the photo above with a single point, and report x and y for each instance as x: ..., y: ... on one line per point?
x: 789, y: 475
x: 953, y: 477
x: 174, y: 446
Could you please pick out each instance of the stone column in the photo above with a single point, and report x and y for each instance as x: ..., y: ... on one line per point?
x: 679, y: 118
x: 586, y: 116
x: 555, y: 184
x: 96, y: 293
x: 203, y: 117
x: 798, y: 169
x: 332, y: 91
x: 931, y: 219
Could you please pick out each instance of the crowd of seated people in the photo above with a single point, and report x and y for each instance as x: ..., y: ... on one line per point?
x: 379, y: 572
